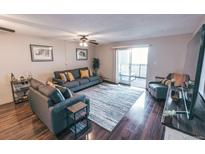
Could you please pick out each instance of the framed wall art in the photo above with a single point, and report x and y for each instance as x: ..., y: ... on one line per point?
x: 41, y: 53
x: 81, y: 54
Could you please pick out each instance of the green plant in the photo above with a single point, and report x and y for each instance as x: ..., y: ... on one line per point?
x: 96, y: 65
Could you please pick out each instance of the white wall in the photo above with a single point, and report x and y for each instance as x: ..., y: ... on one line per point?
x: 166, y: 54
x: 191, y: 61
x: 15, y: 57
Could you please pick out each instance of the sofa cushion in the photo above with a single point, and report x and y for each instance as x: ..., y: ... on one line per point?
x: 72, y: 84
x: 76, y: 73
x: 83, y: 81
x: 53, y: 93
x: 93, y: 78
x: 35, y: 83
x: 157, y: 87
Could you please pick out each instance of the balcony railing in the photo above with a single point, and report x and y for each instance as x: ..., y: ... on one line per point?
x: 137, y: 70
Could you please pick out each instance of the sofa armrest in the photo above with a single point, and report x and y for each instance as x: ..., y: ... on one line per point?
x: 87, y: 101
x: 59, y: 81
x: 154, y: 82
x: 68, y: 102
x: 159, y: 77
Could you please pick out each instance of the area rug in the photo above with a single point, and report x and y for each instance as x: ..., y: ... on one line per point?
x: 109, y: 103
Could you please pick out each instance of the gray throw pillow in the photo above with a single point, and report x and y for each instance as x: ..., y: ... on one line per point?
x: 66, y: 92
x: 56, y: 96
x: 53, y: 93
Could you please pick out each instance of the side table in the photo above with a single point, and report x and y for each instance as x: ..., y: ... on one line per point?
x: 78, y: 114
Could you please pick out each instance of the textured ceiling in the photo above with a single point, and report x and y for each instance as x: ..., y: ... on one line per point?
x: 103, y: 28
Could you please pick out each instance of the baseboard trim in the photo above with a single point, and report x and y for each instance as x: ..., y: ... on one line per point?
x: 109, y: 81
x: 6, y: 103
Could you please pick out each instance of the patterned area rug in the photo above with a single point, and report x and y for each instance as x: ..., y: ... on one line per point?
x: 109, y: 103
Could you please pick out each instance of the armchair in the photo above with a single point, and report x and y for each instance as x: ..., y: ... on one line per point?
x: 159, y: 90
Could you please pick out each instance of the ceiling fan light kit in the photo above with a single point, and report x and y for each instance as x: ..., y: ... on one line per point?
x: 84, y: 41
x: 83, y: 44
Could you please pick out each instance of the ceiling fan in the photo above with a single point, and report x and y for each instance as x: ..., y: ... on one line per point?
x: 84, y: 41
x: 7, y: 30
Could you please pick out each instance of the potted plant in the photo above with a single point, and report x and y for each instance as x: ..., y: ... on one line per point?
x: 96, y: 65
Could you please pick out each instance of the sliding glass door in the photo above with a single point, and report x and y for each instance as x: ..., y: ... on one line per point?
x: 124, y: 59
x: 132, y: 66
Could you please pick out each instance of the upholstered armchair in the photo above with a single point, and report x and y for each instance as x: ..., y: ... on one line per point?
x: 158, y: 89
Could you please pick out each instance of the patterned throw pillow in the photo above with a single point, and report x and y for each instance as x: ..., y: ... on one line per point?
x: 63, y: 77
x: 168, y: 82
x: 69, y: 76
x: 65, y: 91
x: 163, y: 81
x: 84, y: 73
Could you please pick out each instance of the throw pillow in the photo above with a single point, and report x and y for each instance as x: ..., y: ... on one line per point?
x: 168, y: 82
x: 91, y: 72
x: 84, y: 73
x: 65, y: 91
x: 49, y: 83
x: 163, y: 81
x: 69, y: 76
x: 63, y: 77
x: 56, y: 96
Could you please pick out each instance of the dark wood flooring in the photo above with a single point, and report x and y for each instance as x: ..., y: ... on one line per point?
x: 143, y: 121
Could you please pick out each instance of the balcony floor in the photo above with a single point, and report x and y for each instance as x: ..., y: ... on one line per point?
x: 139, y: 82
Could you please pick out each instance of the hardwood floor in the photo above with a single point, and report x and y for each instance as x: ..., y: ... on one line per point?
x: 143, y: 121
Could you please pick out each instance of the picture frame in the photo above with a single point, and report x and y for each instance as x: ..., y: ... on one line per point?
x: 41, y: 53
x: 81, y: 54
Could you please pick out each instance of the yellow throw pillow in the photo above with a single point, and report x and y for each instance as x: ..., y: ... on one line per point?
x: 84, y: 73
x: 49, y: 83
x: 70, y: 76
x: 63, y: 77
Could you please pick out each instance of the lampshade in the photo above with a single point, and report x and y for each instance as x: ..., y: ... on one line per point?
x: 83, y: 44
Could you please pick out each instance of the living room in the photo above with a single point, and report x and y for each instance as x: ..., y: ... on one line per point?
x: 102, y: 70
x: 167, y: 53
x: 114, y: 110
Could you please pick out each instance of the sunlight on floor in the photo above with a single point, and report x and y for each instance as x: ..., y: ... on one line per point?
x: 139, y: 82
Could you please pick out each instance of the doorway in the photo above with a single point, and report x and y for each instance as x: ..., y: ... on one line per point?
x: 132, y: 66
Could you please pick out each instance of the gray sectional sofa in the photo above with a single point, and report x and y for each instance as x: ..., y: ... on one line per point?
x: 78, y: 83
x: 50, y: 104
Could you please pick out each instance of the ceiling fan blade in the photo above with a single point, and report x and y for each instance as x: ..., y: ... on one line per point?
x: 83, y: 35
x: 7, y: 29
x: 93, y: 42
